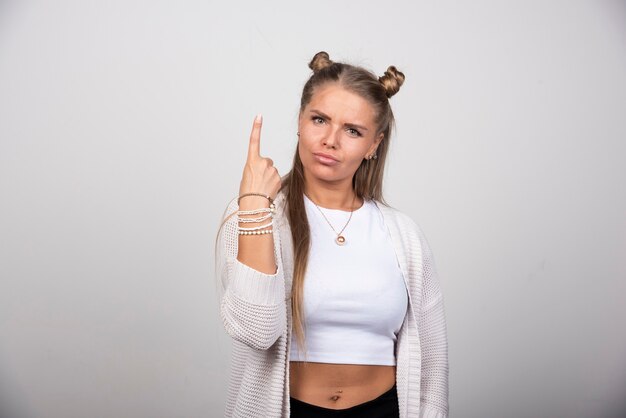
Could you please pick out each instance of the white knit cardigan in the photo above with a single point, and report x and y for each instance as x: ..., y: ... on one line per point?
x: 256, y: 312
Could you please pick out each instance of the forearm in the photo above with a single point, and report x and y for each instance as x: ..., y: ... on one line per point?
x: 253, y: 306
x: 433, y: 339
x: 434, y: 344
x: 252, y: 301
x: 256, y: 251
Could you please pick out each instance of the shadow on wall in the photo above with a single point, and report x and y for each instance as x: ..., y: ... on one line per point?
x: 13, y: 397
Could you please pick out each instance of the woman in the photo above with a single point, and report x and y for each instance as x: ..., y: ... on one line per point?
x: 331, y: 296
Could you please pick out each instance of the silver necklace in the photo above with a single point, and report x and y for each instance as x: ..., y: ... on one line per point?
x: 340, y: 240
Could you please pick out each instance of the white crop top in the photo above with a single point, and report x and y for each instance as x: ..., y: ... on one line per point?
x: 355, y: 298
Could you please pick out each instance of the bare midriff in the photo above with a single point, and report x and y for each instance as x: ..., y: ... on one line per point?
x: 338, y: 386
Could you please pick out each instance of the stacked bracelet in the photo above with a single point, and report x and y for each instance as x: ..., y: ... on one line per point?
x: 265, y: 214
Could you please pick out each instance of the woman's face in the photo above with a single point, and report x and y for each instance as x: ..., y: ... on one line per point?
x: 337, y: 131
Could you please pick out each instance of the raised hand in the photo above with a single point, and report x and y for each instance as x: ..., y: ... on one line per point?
x: 259, y: 173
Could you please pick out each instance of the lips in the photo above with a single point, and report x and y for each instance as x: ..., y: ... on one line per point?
x: 326, y: 159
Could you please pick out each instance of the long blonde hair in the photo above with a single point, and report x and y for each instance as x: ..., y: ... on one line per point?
x: 367, y: 181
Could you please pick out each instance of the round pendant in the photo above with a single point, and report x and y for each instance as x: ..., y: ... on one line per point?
x: 340, y: 240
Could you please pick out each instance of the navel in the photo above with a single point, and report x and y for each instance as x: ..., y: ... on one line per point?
x: 336, y: 396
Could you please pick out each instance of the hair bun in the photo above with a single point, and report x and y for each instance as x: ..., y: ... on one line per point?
x: 391, y: 80
x: 320, y: 61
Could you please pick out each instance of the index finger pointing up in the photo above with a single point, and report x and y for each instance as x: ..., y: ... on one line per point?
x: 254, y: 150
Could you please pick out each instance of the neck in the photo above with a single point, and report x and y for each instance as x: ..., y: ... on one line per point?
x: 332, y: 196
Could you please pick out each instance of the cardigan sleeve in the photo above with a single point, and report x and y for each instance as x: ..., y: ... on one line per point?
x: 252, y: 305
x: 433, y: 340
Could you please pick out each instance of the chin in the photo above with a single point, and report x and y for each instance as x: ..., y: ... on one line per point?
x: 324, y: 173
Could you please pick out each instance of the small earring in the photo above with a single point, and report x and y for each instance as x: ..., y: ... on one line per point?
x: 298, y: 133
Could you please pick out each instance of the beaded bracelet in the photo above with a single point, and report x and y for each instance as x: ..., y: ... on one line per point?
x: 256, y: 228
x: 255, y: 211
x: 265, y: 231
x: 256, y: 194
x: 252, y: 220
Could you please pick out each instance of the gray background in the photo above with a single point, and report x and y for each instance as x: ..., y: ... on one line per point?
x: 123, y: 132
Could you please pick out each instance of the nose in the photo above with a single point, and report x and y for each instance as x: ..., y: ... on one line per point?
x: 331, y: 140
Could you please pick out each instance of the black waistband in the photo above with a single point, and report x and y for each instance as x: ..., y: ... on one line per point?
x: 390, y: 396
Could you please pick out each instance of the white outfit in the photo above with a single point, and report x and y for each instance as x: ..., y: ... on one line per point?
x: 256, y: 312
x: 355, y: 299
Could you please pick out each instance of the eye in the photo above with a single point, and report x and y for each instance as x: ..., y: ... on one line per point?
x: 317, y: 120
x: 353, y: 132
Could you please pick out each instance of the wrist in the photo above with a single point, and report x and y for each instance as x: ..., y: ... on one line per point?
x: 253, y: 202
x: 254, y: 194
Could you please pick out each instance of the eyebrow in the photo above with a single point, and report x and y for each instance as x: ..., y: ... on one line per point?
x: 348, y: 125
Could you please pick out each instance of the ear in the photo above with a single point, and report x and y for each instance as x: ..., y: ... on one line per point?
x: 300, y: 116
x: 374, y: 146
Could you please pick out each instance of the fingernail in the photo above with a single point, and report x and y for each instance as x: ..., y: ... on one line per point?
x: 258, y: 118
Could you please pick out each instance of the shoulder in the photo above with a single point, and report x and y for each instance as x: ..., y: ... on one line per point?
x: 402, y: 224
x: 393, y: 215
